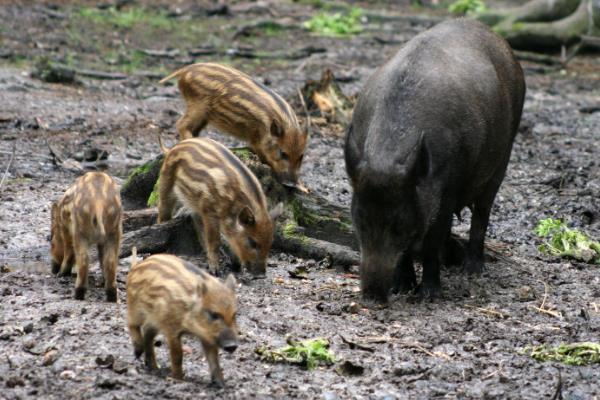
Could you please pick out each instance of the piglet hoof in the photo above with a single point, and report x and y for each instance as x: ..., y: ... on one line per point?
x: 55, y: 267
x: 79, y: 293
x: 216, y: 384
x: 138, y: 352
x: 111, y: 295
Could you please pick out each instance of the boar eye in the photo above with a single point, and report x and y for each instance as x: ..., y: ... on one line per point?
x: 214, y: 316
x: 252, y: 243
x: 283, y: 155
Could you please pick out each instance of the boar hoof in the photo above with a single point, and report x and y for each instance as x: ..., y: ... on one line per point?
x: 79, y: 293
x: 404, y: 287
x: 428, y: 291
x: 216, y: 384
x: 55, y: 267
x: 111, y: 295
x: 473, y: 266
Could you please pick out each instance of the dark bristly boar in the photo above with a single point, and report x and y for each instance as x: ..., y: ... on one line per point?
x: 168, y: 295
x: 88, y: 213
x: 240, y: 106
x: 224, y: 197
x: 431, y: 134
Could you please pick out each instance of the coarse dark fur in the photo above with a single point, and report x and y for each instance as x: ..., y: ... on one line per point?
x: 431, y: 134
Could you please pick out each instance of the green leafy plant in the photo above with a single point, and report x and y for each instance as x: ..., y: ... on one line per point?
x: 462, y: 7
x: 126, y: 18
x: 337, y: 24
x: 562, y: 241
x: 583, y: 353
x: 308, y: 353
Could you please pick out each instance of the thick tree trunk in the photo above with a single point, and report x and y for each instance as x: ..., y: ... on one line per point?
x: 546, y: 24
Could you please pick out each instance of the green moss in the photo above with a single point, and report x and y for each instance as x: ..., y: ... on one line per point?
x: 584, y: 353
x: 308, y: 353
x: 290, y: 231
x: 153, y: 198
x: 142, y: 169
x: 126, y: 18
x: 337, y: 24
x: 243, y: 153
x: 305, y: 217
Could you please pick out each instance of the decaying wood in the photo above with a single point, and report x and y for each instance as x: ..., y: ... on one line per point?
x: 327, y: 97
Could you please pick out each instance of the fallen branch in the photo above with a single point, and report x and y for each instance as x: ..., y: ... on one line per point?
x: 12, y: 156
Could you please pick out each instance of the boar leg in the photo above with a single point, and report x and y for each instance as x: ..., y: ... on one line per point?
x: 109, y: 260
x: 150, y: 357
x: 68, y: 256
x: 211, y: 238
x: 405, y: 278
x: 81, y: 260
x: 480, y: 216
x: 136, y: 338
x: 192, y: 122
x: 176, y: 353
x: 166, y: 198
x: 432, y: 243
x: 212, y: 356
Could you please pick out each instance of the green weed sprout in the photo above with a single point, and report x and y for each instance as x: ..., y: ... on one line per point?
x: 561, y: 241
x: 308, y: 353
x: 337, y: 24
x: 462, y: 7
x: 583, y: 353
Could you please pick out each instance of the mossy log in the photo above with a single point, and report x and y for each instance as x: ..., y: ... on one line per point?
x: 546, y: 24
x: 311, y: 227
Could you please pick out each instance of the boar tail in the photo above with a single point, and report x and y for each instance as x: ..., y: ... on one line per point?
x: 163, y: 148
x: 133, y: 257
x: 173, y: 75
x: 97, y: 221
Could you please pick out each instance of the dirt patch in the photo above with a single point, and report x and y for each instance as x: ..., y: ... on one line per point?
x: 465, y: 345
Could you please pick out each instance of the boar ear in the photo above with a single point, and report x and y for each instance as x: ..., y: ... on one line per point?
x: 276, y: 129
x: 246, y: 217
x: 230, y: 282
x: 276, y: 211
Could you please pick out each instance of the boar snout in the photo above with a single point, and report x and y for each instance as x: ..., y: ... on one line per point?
x: 228, y: 341
x: 377, y: 275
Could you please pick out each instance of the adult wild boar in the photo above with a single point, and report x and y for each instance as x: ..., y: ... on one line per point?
x: 431, y: 134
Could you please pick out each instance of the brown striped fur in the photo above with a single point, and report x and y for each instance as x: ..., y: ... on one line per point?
x: 224, y: 197
x: 240, y: 106
x: 88, y: 213
x: 169, y: 295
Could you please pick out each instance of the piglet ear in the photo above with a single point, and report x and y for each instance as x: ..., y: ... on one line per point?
x: 230, y: 282
x: 246, y: 217
x: 276, y: 129
x: 276, y: 211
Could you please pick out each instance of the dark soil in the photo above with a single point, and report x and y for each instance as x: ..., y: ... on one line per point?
x: 467, y: 344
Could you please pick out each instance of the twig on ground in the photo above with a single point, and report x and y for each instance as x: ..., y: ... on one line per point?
x: 437, y: 354
x: 494, y: 373
x: 558, y: 391
x: 542, y: 308
x: 12, y: 156
x: 488, y: 311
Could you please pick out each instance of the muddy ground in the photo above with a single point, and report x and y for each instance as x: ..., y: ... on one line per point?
x: 466, y: 345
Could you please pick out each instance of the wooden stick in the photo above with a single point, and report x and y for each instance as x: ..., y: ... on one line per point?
x: 12, y: 156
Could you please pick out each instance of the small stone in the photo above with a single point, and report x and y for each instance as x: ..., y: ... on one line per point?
x: 353, y: 308
x: 28, y: 328
x: 68, y: 374
x: 525, y: 293
x: 50, y: 357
